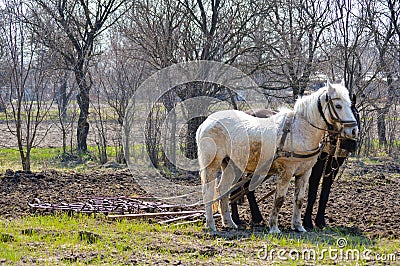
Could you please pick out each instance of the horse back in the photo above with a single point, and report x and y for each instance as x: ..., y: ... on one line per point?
x: 261, y: 113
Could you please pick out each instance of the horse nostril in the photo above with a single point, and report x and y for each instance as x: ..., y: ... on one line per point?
x: 354, y: 132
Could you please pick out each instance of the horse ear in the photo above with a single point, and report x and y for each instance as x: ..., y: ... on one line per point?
x: 328, y: 83
x: 331, y: 90
x: 342, y: 83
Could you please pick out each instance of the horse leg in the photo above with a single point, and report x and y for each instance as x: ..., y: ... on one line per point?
x: 313, y: 185
x: 228, y: 179
x: 235, y: 211
x: 325, y: 191
x: 299, y: 194
x: 256, y: 217
x: 282, y: 186
x: 209, y: 179
x: 234, y: 205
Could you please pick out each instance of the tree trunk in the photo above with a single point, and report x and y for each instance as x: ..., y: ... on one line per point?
x: 27, y: 163
x: 381, y: 129
x: 63, y: 102
x: 2, y: 106
x: 191, y: 147
x: 62, y: 107
x: 25, y: 158
x: 83, y: 102
x: 298, y: 91
x: 172, y: 141
x: 64, y: 140
x: 83, y: 128
x: 382, y: 113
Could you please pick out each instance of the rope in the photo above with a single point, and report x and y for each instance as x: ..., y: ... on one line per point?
x: 342, y: 168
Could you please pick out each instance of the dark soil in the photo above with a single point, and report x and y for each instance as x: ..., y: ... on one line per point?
x: 50, y: 186
x: 364, y: 200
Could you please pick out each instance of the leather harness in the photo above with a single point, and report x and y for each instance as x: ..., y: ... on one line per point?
x: 286, y: 129
x: 330, y: 128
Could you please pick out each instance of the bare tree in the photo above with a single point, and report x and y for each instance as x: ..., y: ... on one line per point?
x: 72, y: 28
x: 294, y: 32
x: 26, y: 73
x: 382, y: 20
x: 63, y: 91
x: 118, y: 78
x: 167, y: 32
x: 3, y: 95
x: 361, y: 51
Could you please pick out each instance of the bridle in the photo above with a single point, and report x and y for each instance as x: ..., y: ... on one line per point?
x: 333, y: 115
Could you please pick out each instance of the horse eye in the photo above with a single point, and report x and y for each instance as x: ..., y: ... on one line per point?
x: 338, y: 106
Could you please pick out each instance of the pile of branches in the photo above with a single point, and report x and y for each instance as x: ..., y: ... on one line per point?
x: 124, y: 208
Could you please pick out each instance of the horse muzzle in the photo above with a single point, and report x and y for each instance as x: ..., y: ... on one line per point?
x: 350, y: 132
x: 349, y: 145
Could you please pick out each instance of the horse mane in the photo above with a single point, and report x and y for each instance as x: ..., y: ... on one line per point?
x: 307, y: 106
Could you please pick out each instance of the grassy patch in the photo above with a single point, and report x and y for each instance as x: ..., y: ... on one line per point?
x: 40, y: 158
x: 43, y: 158
x: 87, y: 239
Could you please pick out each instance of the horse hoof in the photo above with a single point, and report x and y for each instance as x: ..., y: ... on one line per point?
x: 239, y: 222
x: 320, y: 223
x: 211, y: 228
x: 299, y: 228
x: 258, y: 224
x: 274, y: 230
x: 230, y: 225
x: 233, y: 226
x: 307, y: 223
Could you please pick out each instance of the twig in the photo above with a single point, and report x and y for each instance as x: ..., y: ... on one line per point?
x: 267, y: 195
x: 187, y: 222
x: 180, y: 218
x: 151, y: 215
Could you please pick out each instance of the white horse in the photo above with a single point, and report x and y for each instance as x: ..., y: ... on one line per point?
x: 286, y: 144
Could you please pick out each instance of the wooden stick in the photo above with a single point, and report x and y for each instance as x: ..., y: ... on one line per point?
x: 238, y: 195
x: 237, y: 185
x: 186, y: 222
x: 151, y: 215
x: 180, y: 218
x: 267, y: 195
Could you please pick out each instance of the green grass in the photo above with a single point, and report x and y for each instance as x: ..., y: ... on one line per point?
x: 42, y: 158
x: 84, y: 239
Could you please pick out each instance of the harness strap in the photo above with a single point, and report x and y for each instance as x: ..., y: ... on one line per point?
x: 288, y: 154
x: 286, y: 129
x: 335, y: 116
x: 321, y: 112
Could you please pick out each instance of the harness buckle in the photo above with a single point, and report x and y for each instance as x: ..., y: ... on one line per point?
x: 288, y: 154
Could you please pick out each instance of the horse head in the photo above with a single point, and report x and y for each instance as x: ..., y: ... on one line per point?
x: 337, y: 110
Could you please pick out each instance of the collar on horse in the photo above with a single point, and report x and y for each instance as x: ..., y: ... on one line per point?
x: 286, y: 129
